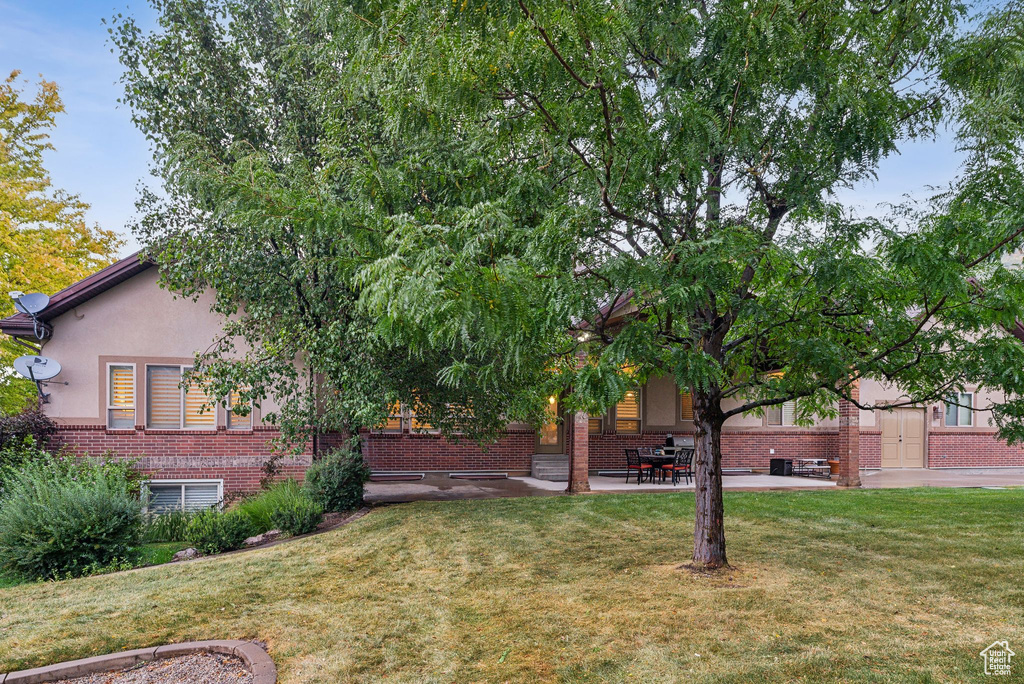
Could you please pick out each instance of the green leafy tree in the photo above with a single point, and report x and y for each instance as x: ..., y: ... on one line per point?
x: 274, y: 165
x: 682, y: 159
x: 45, y: 242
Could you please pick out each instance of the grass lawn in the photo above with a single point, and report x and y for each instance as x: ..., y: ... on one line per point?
x: 871, y: 585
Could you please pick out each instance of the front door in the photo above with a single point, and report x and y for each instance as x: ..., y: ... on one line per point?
x: 550, y: 438
x: 903, y: 438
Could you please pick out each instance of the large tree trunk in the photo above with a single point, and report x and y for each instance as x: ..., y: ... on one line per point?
x: 709, y: 525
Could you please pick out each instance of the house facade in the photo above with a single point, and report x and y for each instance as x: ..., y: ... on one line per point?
x: 123, y: 343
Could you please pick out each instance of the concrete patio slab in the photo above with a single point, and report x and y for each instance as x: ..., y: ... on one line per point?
x: 600, y: 483
x: 942, y: 477
x: 440, y: 487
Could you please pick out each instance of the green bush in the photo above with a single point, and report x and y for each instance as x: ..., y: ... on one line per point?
x: 211, y: 531
x: 298, y: 516
x: 260, y: 508
x: 53, y: 524
x: 166, y: 527
x: 335, y: 481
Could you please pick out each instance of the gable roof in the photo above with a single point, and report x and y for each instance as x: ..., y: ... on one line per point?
x: 20, y: 325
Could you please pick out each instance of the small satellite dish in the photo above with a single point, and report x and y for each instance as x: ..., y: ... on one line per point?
x: 37, y: 368
x: 31, y: 304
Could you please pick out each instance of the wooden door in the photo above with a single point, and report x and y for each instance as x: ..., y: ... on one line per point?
x: 903, y: 438
x: 913, y: 438
x: 891, y: 439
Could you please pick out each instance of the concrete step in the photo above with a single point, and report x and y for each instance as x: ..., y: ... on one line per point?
x: 552, y: 467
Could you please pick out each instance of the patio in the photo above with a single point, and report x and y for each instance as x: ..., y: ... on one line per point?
x: 441, y: 487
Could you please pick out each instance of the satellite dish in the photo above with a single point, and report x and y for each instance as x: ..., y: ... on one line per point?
x: 36, y: 368
x: 31, y: 304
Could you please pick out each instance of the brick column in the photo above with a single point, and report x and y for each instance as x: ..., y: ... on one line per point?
x: 849, y: 440
x: 577, y: 443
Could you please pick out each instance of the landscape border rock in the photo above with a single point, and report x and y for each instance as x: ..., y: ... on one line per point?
x: 250, y: 653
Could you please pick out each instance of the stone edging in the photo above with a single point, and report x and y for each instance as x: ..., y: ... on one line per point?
x: 254, y: 657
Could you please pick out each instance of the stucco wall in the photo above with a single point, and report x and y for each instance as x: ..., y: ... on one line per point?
x: 134, y: 322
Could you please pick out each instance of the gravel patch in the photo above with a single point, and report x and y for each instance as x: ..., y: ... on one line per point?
x: 196, y: 668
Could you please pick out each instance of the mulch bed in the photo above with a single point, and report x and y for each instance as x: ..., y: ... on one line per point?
x: 197, y: 668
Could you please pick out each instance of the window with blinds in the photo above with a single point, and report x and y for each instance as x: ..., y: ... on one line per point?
x: 782, y: 414
x: 394, y: 423
x: 418, y: 424
x: 163, y: 397
x: 200, y: 411
x: 594, y: 425
x: 627, y: 414
x: 686, y: 406
x: 234, y: 420
x: 167, y: 496
x: 121, y: 397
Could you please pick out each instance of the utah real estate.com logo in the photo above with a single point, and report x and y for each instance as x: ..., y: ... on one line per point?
x: 997, y: 658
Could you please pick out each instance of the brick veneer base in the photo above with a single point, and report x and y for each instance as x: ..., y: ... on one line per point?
x: 238, y: 457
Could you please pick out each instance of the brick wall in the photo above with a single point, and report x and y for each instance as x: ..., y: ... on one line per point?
x: 237, y: 457
x: 423, y: 452
x: 971, y: 449
x: 870, y: 448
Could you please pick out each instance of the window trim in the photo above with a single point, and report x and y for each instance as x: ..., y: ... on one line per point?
x: 182, y: 398
x: 183, y: 483
x: 639, y: 415
x: 135, y: 393
x: 970, y: 413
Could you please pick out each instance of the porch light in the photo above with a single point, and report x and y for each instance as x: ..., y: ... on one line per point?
x: 551, y: 400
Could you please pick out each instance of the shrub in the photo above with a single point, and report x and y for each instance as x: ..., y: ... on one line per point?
x: 260, y: 508
x: 13, y: 455
x: 298, y: 516
x: 32, y: 424
x: 211, y: 531
x: 166, y: 527
x: 335, y: 481
x: 54, y: 525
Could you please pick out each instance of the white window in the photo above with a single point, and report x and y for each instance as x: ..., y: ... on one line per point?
x: 171, y: 407
x: 627, y: 414
x: 164, y: 496
x: 782, y: 414
x: 959, y: 410
x: 121, y: 396
x: 234, y: 420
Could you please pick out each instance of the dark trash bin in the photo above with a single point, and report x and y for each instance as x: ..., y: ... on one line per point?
x: 780, y: 466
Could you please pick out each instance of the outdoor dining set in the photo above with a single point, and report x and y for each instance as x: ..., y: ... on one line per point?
x: 658, y: 464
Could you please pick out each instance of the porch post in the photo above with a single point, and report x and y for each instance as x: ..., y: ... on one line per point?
x: 849, y: 440
x: 578, y: 446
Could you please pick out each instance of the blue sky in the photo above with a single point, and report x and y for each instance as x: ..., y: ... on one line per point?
x: 101, y: 156
x: 99, y: 153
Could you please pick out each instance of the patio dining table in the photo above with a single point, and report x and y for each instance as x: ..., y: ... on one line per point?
x: 657, y: 459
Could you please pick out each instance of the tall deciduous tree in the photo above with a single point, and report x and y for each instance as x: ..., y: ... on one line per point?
x: 276, y: 168
x: 45, y: 242
x: 683, y: 158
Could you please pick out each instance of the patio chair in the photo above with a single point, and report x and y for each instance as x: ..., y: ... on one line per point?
x: 633, y: 465
x: 681, y: 467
